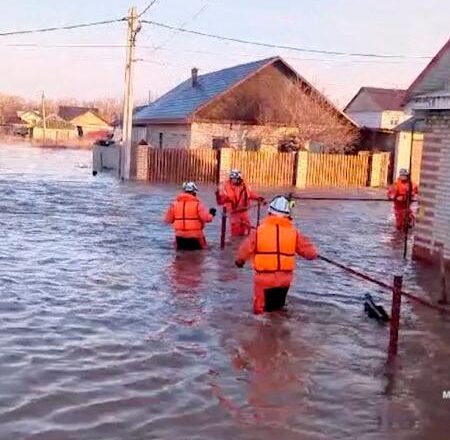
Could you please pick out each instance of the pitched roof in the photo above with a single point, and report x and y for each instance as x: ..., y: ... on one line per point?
x: 55, y: 122
x: 435, y: 76
x: 69, y: 112
x: 180, y: 103
x: 377, y: 99
x: 183, y: 100
x: 412, y: 122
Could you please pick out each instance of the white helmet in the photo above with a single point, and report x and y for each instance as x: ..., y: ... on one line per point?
x: 280, y: 206
x: 403, y: 172
x: 235, y: 174
x: 190, y: 187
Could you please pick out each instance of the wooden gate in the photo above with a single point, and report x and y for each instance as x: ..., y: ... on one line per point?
x: 265, y: 168
x: 337, y: 170
x: 177, y: 166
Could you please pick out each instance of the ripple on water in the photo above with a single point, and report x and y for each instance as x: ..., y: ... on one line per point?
x: 106, y: 334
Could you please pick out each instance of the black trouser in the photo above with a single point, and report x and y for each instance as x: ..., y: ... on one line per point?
x: 188, y: 244
x: 275, y: 298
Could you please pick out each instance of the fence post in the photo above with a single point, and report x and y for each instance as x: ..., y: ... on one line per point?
x: 141, y: 157
x: 395, y: 316
x: 223, y: 231
x: 301, y: 171
x: 375, y: 170
x: 225, y: 163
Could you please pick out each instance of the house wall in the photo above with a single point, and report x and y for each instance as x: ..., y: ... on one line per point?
x: 202, y: 134
x: 402, y: 153
x: 90, y: 122
x: 54, y: 135
x: 173, y: 135
x: 390, y: 119
x: 367, y: 119
x: 433, y: 222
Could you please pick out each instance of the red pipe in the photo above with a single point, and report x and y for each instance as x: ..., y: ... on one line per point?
x: 384, y: 285
x: 395, y: 316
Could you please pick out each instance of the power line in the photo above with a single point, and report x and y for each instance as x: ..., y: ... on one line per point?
x: 61, y: 28
x: 277, y: 46
x: 147, y: 8
x: 193, y: 18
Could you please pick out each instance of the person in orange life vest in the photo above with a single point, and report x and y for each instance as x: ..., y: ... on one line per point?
x: 399, y: 193
x: 273, y: 247
x: 188, y: 216
x: 236, y: 195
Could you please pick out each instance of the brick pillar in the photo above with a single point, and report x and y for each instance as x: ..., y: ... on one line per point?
x: 142, y: 162
x: 302, y: 169
x: 375, y: 171
x: 225, y: 163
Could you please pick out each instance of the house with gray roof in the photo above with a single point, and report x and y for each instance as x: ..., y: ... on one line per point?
x: 250, y: 106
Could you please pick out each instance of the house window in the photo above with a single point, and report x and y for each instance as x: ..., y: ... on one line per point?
x: 161, y: 140
x: 220, y: 142
x: 252, y: 144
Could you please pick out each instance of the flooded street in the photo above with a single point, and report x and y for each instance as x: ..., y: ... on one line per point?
x: 106, y: 333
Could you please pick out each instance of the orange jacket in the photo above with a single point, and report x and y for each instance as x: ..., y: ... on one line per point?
x: 236, y: 197
x: 187, y: 215
x: 399, y: 192
x: 274, y: 244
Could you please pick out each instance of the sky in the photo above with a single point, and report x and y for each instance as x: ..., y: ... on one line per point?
x: 410, y: 28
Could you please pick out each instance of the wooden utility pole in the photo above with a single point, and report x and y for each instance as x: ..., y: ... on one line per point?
x: 134, y: 26
x: 44, y: 117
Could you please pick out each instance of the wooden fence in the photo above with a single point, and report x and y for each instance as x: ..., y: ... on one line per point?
x: 178, y: 165
x: 261, y: 168
x: 337, y: 170
x: 265, y: 168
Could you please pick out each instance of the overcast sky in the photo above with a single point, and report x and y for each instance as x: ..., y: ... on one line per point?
x: 403, y: 27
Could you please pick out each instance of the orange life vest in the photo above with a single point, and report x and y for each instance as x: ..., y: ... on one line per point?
x: 239, y: 195
x: 276, y: 241
x: 186, y: 215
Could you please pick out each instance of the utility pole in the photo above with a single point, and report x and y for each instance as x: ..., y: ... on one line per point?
x: 44, y: 117
x: 134, y: 26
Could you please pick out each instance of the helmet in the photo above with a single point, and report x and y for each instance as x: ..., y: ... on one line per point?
x: 280, y: 206
x: 235, y: 175
x: 403, y: 172
x: 190, y: 187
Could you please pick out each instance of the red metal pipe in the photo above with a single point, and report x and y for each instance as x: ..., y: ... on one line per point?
x: 395, y: 316
x: 384, y: 285
x: 223, y: 232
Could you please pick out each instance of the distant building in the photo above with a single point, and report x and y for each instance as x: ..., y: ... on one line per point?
x: 429, y: 98
x: 56, y: 130
x: 251, y: 106
x: 87, y: 121
x: 30, y: 117
x: 377, y: 111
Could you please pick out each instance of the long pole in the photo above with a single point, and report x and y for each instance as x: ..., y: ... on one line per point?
x: 44, y: 117
x: 223, y: 230
x: 125, y: 156
x: 395, y: 316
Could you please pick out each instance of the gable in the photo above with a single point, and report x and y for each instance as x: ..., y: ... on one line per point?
x: 89, y: 118
x: 274, y: 94
x: 435, y: 77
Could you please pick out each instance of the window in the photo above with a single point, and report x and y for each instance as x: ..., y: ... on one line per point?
x: 161, y: 140
x: 252, y: 144
x: 220, y: 142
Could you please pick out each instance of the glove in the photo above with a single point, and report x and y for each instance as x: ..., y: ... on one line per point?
x: 213, y: 211
x: 262, y: 200
x: 400, y: 199
x: 239, y: 263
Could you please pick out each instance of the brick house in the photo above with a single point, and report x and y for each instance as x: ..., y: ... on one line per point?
x: 429, y: 98
x: 245, y: 107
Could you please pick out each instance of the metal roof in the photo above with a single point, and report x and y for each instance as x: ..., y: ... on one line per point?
x: 376, y: 99
x: 180, y: 102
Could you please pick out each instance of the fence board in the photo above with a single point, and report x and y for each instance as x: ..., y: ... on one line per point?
x: 265, y: 168
x: 337, y: 170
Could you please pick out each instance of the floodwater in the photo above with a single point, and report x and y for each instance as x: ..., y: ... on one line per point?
x: 106, y: 333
